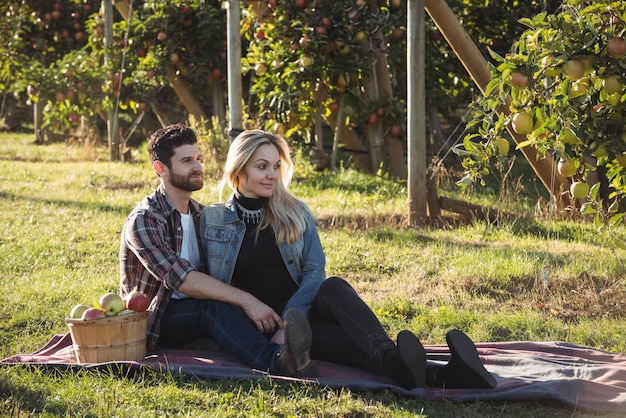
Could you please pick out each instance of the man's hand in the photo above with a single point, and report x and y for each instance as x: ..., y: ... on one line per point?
x: 201, y: 286
x: 264, y: 317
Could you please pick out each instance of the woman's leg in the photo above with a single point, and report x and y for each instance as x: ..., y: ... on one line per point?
x: 345, y: 330
x: 350, y: 325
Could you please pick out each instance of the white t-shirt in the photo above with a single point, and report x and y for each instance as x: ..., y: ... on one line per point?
x: 189, y: 250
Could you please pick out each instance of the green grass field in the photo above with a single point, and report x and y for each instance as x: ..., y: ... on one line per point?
x: 63, y: 209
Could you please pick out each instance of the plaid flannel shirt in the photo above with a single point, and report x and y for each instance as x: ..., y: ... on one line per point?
x: 150, y: 260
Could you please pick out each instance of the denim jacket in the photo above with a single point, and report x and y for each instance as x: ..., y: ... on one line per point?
x: 222, y: 233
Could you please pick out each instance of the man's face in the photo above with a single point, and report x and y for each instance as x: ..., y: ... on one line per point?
x: 187, y: 172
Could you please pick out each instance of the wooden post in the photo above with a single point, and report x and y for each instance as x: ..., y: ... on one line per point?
x: 233, y: 40
x: 114, y: 142
x: 416, y: 101
x: 476, y: 66
x: 38, y: 121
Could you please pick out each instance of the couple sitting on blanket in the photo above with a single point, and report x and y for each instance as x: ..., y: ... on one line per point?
x: 250, y: 272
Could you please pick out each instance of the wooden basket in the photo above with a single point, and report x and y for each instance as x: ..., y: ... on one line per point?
x: 115, y: 338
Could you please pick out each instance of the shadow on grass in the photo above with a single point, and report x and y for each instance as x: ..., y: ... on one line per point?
x: 61, y: 203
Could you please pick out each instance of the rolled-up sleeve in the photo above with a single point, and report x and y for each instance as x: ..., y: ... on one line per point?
x: 149, y: 237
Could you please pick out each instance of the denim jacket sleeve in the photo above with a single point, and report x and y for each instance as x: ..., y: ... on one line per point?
x: 221, y: 238
x: 306, y: 263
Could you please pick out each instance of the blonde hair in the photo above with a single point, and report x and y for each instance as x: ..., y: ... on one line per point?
x: 286, y: 214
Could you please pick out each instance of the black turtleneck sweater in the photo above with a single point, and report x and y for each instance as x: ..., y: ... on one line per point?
x: 260, y: 269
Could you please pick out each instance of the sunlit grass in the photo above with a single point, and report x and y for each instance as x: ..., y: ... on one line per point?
x: 62, y: 213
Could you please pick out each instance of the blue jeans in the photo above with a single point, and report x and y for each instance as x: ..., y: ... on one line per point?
x: 186, y: 320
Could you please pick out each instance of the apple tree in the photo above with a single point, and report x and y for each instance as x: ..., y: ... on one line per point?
x: 303, y: 53
x: 38, y: 38
x: 55, y: 57
x: 563, y: 81
x: 307, y: 59
x: 188, y: 37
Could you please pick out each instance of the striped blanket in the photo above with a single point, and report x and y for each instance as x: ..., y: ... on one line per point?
x: 583, y: 378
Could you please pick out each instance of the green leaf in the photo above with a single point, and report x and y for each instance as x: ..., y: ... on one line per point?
x: 593, y: 192
x: 587, y: 209
x: 527, y: 22
x: 524, y: 144
x: 465, y: 181
x: 615, y: 220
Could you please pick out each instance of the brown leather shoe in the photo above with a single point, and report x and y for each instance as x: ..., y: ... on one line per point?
x: 294, y: 358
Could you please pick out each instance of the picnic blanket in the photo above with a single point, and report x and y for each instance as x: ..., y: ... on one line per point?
x: 583, y: 378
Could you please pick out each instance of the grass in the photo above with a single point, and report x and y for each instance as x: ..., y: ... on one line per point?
x: 63, y: 208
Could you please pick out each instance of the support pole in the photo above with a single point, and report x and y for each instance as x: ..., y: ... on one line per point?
x: 114, y: 142
x: 234, y: 67
x: 416, y: 101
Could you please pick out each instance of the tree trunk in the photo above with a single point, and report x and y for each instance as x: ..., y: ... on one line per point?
x: 395, y: 146
x: 373, y: 131
x: 353, y: 145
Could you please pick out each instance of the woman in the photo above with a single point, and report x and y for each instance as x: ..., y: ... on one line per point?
x: 264, y: 241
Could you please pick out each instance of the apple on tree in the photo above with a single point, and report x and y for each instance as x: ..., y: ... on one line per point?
x: 574, y: 69
x: 519, y: 80
x: 566, y: 167
x: 616, y: 47
x: 579, y: 189
x: 612, y: 84
x: 522, y: 123
x: 502, y: 145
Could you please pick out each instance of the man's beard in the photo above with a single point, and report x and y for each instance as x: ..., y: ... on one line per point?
x: 184, y: 182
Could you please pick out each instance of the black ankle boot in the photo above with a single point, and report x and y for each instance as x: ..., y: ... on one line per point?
x: 405, y: 362
x: 464, y: 370
x: 412, y: 358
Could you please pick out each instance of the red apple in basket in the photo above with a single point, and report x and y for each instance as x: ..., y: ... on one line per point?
x: 93, y: 313
x: 136, y: 301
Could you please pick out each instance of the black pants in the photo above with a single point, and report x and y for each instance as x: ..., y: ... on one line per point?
x: 345, y: 330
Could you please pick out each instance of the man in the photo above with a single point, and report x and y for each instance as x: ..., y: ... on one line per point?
x: 160, y: 255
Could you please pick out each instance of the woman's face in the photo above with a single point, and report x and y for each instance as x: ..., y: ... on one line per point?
x: 261, y: 172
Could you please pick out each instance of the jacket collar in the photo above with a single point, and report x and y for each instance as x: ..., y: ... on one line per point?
x: 230, y: 214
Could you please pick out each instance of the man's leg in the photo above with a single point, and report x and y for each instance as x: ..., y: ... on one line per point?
x: 188, y: 319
